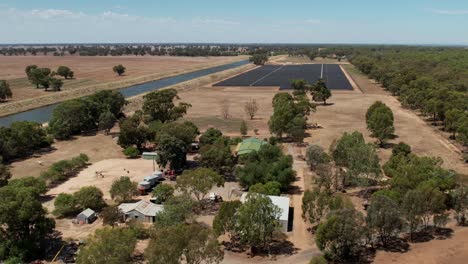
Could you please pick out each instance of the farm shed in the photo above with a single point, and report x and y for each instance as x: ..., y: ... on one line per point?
x: 283, y: 204
x: 142, y: 211
x: 248, y: 145
x: 86, y: 217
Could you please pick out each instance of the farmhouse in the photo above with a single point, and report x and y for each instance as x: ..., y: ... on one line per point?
x: 86, y: 217
x: 283, y: 203
x: 142, y: 211
x: 248, y: 145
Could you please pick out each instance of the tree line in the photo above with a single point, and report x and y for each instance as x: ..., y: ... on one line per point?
x: 433, y: 80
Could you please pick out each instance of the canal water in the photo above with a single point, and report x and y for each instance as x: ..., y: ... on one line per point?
x: 43, y: 114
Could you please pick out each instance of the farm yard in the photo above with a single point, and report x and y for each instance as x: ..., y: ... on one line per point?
x: 281, y: 76
x: 223, y: 107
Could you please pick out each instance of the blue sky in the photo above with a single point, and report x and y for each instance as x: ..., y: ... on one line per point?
x: 238, y: 21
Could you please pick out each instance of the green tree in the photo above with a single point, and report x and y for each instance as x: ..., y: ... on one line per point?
x: 119, y: 69
x: 198, y: 182
x: 462, y: 131
x: 123, y: 189
x: 133, y: 132
x: 452, y: 120
x: 24, y: 227
x: 185, y: 131
x: 257, y: 220
x: 5, y: 91
x: 56, y: 84
x: 162, y: 193
x: 243, y: 128
x: 21, y: 139
x: 380, y: 123
x: 373, y: 107
x: 172, y: 151
x: 65, y: 72
x: 111, y: 215
x: 340, y: 235
x: 318, y: 203
x: 259, y: 58
x: 177, y: 210
x: 159, y: 105
x: 210, y: 136
x: 269, y: 188
x: 40, y: 77
x: 89, y: 197
x: 315, y: 155
x: 106, y: 121
x: 412, y: 210
x: 383, y: 217
x: 5, y: 174
x: 359, y: 158
x: 225, y: 220
x: 267, y: 164
x: 280, y: 119
x: 296, y: 128
x: 194, y: 243
x: 460, y: 204
x: 108, y: 245
x: 217, y: 156
x: 70, y: 118
x: 320, y: 92
x: 29, y: 70
x: 299, y: 85
x: 65, y: 205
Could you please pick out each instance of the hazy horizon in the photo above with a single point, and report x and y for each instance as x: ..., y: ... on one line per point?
x: 397, y: 22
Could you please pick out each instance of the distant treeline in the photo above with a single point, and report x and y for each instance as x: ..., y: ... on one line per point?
x: 192, y: 50
x: 121, y: 50
x: 433, y: 80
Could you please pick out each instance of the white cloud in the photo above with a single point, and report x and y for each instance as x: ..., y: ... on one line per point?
x: 215, y: 21
x: 313, y: 21
x: 448, y: 12
x: 54, y: 13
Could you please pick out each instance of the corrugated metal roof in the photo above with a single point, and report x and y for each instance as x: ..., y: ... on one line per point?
x: 281, y: 201
x: 248, y: 145
x: 144, y: 207
x: 88, y: 212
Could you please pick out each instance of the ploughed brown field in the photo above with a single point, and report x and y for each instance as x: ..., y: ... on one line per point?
x: 97, y: 70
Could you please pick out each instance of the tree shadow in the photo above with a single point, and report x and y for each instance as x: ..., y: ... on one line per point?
x: 294, y: 190
x: 279, y: 246
x: 430, y: 233
x: 396, y: 244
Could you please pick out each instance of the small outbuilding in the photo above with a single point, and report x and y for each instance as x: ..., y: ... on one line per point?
x: 283, y: 203
x: 86, y: 217
x: 142, y: 211
x: 248, y: 145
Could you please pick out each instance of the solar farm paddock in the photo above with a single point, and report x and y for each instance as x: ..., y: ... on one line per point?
x: 281, y: 76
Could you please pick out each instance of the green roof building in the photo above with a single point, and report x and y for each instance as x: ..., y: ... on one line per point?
x: 248, y: 145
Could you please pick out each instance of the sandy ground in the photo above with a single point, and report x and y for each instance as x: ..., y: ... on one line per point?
x: 452, y: 250
x: 98, y: 147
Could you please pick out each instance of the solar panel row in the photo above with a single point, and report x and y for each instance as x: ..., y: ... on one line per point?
x: 275, y: 75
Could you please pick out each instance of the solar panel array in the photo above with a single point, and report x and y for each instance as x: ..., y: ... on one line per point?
x: 277, y: 75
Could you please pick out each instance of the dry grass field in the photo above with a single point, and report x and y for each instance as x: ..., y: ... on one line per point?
x: 92, y: 74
